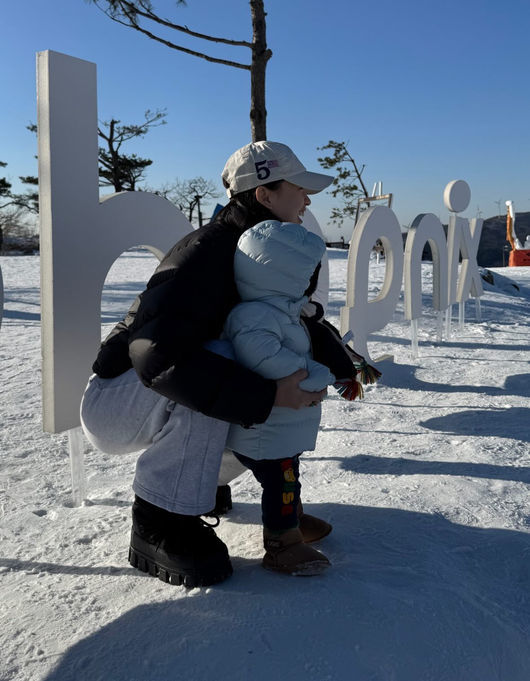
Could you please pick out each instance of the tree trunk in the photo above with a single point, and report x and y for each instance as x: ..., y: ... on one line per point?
x: 260, y: 57
x: 116, y: 179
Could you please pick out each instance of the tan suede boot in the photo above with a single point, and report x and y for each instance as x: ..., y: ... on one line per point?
x: 287, y: 552
x: 311, y: 527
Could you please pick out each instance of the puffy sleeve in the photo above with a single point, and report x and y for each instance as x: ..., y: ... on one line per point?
x: 257, y: 339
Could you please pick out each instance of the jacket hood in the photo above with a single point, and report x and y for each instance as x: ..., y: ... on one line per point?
x: 276, y: 259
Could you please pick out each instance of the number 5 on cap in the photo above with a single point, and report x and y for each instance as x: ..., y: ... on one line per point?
x: 261, y: 170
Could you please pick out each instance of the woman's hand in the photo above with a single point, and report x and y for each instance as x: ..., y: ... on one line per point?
x: 289, y: 394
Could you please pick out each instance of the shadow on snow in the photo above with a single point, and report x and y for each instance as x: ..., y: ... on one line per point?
x: 381, y: 465
x: 410, y: 596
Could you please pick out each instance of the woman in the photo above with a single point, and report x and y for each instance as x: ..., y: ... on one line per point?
x: 157, y: 388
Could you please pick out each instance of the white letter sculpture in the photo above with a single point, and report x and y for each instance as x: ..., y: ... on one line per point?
x: 425, y: 228
x: 463, y: 238
x: 361, y: 315
x: 81, y: 236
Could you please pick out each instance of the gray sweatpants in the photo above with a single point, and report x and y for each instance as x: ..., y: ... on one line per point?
x: 181, y: 450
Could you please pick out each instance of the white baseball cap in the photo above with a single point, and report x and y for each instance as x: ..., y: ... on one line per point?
x: 262, y: 162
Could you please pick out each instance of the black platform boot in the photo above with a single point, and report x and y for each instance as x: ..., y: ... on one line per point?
x: 178, y: 549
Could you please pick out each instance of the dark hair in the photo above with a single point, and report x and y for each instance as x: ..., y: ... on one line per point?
x: 313, y: 282
x: 244, y: 210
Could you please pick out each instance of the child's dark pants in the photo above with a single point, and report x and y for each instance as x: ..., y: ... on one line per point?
x: 279, y: 479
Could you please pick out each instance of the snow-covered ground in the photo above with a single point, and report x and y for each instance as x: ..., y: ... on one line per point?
x: 426, y: 483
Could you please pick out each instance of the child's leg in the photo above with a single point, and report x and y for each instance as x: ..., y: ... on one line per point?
x: 284, y: 543
x: 279, y: 479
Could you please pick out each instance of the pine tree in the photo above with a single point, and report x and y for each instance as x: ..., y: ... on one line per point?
x: 117, y: 169
x: 345, y: 184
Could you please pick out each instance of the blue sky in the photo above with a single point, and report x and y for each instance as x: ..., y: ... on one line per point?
x: 425, y: 93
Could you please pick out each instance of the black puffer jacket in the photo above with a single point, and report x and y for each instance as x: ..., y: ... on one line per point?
x: 185, y: 304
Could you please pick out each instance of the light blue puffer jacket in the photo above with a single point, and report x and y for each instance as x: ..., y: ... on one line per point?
x: 273, y: 264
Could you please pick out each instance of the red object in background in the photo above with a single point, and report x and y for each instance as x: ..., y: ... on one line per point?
x: 519, y: 258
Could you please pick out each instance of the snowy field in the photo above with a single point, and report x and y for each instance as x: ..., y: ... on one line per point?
x: 426, y: 483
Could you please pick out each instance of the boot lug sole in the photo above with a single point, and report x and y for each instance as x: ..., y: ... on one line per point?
x: 189, y: 578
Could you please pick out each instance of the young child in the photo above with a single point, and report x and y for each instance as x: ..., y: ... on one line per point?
x: 276, y: 268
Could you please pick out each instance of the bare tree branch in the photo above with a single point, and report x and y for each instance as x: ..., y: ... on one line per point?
x: 132, y: 23
x: 148, y: 13
x: 188, y: 195
x: 130, y: 13
x: 168, y: 43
